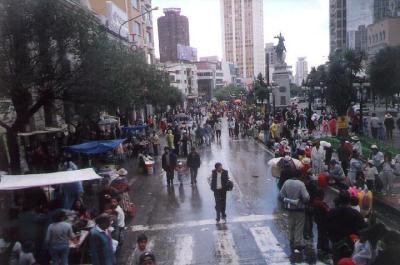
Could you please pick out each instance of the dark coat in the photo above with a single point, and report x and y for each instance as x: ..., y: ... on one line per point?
x: 172, y: 160
x: 224, y: 180
x: 193, y: 160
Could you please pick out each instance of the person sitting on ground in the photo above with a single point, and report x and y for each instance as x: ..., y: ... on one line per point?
x: 141, y: 247
x: 390, y: 251
x: 365, y: 249
x: 341, y: 222
x: 370, y: 173
x: 79, y: 208
x: 336, y: 173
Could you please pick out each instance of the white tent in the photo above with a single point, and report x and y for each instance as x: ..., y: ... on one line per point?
x: 17, y: 182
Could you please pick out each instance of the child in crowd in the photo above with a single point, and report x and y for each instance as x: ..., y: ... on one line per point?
x: 141, y: 247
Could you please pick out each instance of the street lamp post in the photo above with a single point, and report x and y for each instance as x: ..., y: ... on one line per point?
x: 360, y: 87
x: 131, y: 19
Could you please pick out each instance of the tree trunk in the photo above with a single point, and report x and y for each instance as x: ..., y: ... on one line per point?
x: 13, y: 150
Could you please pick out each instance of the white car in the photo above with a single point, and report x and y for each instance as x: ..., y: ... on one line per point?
x: 184, y: 120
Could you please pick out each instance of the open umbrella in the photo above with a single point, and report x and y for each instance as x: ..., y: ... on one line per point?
x: 276, y: 170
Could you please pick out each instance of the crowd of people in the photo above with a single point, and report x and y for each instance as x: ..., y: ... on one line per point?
x: 347, y: 231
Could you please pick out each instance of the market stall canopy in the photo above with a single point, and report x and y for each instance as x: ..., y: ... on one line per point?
x: 95, y: 147
x: 135, y: 128
x: 17, y: 182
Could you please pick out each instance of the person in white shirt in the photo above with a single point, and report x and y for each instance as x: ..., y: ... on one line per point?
x: 219, y: 185
x: 120, y: 226
x: 317, y: 158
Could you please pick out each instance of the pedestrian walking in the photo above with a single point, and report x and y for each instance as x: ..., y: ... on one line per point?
x: 295, y: 196
x: 169, y: 160
x: 317, y: 158
x: 58, y: 235
x: 147, y: 258
x: 389, y: 125
x: 118, y: 233
x: 357, y: 145
x: 387, y: 175
x: 218, y: 129
x: 371, y: 173
x: 170, y: 139
x: 141, y: 248
x: 100, y: 243
x: 374, y: 124
x: 344, y: 152
x: 193, y: 162
x: 155, y: 141
x: 219, y: 185
x: 320, y: 210
x: 231, y: 127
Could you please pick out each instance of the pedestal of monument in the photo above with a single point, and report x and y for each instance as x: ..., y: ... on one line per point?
x: 281, y: 77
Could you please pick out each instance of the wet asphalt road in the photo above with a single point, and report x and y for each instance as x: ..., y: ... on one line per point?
x: 180, y: 221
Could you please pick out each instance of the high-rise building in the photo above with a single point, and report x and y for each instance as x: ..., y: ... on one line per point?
x: 173, y: 34
x: 114, y: 13
x: 243, y: 36
x: 337, y: 25
x: 271, y: 58
x: 359, y: 15
x: 382, y: 34
x: 386, y: 8
x: 301, y: 70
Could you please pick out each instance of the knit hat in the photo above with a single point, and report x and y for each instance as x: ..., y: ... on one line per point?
x: 346, y: 261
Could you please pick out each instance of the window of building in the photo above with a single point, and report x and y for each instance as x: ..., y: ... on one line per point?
x: 177, y: 72
x: 136, y: 28
x: 384, y: 35
x: 135, y: 3
x: 282, y: 90
x: 177, y: 81
x: 283, y: 100
x: 172, y: 78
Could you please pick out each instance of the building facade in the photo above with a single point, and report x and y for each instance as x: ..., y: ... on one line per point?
x: 210, y: 77
x: 382, y: 34
x: 138, y: 32
x: 173, y: 36
x: 184, y: 77
x: 337, y: 26
x: 301, y: 70
x: 243, y: 36
x: 359, y: 15
x: 386, y: 8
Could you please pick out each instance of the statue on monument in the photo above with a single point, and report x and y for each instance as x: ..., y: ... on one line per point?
x: 281, y: 49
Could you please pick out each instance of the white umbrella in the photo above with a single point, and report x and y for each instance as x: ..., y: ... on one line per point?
x: 325, y: 144
x: 276, y: 170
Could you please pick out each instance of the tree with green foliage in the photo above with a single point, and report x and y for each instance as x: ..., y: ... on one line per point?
x: 65, y: 55
x: 384, y: 72
x: 230, y: 92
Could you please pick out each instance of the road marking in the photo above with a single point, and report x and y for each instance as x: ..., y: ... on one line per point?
x: 225, y: 248
x: 183, y: 250
x: 150, y: 246
x: 240, y: 219
x: 268, y: 245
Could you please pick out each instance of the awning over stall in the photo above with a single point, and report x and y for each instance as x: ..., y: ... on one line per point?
x: 17, y: 182
x: 96, y: 147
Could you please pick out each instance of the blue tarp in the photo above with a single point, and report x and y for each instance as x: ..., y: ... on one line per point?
x: 135, y: 128
x: 95, y: 147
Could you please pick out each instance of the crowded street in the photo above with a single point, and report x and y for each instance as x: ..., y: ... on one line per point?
x: 180, y: 220
x: 187, y: 132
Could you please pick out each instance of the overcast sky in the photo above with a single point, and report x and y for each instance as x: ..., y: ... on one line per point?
x: 304, y: 24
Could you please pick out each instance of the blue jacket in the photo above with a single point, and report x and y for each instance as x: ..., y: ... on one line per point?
x: 100, y: 245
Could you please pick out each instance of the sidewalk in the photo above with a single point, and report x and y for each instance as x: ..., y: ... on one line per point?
x: 389, y: 202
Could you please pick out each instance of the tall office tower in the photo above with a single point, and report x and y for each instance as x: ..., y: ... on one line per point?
x: 243, y: 36
x: 173, y: 31
x: 337, y: 25
x: 359, y: 15
x: 301, y: 70
x: 386, y: 8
